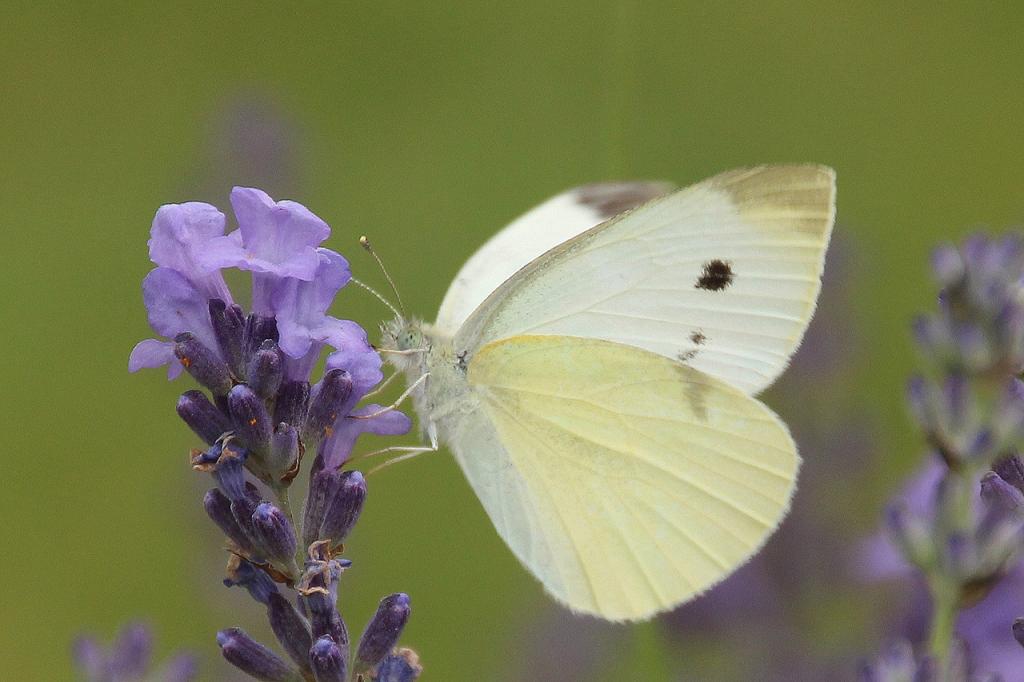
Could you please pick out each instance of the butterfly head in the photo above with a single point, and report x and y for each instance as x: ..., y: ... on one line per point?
x: 404, y: 343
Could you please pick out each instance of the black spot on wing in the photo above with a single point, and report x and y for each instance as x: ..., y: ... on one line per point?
x: 698, y: 338
x: 717, y: 275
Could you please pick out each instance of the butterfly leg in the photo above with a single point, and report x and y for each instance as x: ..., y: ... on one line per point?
x: 410, y: 451
x: 394, y: 406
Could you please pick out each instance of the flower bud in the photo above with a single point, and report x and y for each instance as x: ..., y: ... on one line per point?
x: 383, y: 631
x: 202, y: 416
x: 218, y: 508
x: 250, y: 419
x: 910, y: 534
x: 266, y: 370
x: 343, y: 510
x: 242, y: 510
x: 243, y: 573
x: 328, y: 661
x: 401, y: 666
x: 290, y: 628
x: 326, y: 405
x: 202, y: 363
x: 258, y: 328
x: 275, y: 537
x: 226, y: 461
x: 282, y: 460
x: 253, y: 658
x: 292, y: 401
x: 131, y: 652
x: 228, y: 322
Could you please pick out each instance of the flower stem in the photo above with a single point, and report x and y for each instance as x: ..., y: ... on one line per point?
x: 945, y: 601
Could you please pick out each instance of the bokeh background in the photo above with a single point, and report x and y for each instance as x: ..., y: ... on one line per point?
x: 428, y: 126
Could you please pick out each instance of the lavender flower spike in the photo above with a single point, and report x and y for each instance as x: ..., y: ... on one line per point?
x: 128, y: 659
x: 274, y: 240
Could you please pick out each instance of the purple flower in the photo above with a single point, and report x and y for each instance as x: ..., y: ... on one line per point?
x: 274, y: 240
x: 264, y: 414
x: 173, y: 306
x: 180, y: 235
x: 337, y: 448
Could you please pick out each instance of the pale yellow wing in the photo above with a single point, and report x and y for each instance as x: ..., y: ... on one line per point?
x: 723, y: 275
x: 626, y: 482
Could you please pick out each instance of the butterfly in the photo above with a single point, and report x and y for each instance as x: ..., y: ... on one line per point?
x: 593, y: 369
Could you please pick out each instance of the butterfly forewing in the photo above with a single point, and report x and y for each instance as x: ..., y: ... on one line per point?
x: 722, y: 276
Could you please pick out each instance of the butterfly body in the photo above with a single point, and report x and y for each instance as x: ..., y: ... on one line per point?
x: 599, y: 396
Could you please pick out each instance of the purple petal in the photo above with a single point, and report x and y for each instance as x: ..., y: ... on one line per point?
x: 338, y: 447
x: 173, y: 306
x: 278, y: 232
x: 361, y: 361
x: 178, y: 240
x: 300, y: 307
x: 150, y: 354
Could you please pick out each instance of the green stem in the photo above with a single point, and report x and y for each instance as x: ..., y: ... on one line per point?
x: 945, y: 599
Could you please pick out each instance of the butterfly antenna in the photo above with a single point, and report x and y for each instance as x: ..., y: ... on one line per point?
x: 380, y: 298
x: 365, y: 243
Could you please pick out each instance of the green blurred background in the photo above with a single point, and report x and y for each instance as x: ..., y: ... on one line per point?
x: 428, y: 126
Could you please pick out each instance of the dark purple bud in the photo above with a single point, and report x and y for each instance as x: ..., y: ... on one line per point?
x: 1011, y: 470
x: 383, y: 631
x: 131, y: 652
x: 228, y: 322
x: 242, y: 573
x: 324, y: 617
x: 326, y: 404
x: 323, y: 485
x: 401, y: 666
x: 242, y: 510
x: 275, y: 536
x: 250, y: 419
x: 947, y: 265
x: 266, y: 370
x: 1000, y: 495
x: 291, y: 629
x: 253, y: 658
x: 258, y: 328
x: 202, y: 416
x: 343, y: 510
x: 229, y: 469
x: 292, y: 401
x: 284, y: 452
x: 1018, y: 631
x: 202, y: 363
x: 218, y: 508
x: 328, y: 661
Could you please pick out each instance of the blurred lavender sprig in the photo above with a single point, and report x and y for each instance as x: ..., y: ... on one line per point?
x: 263, y: 417
x: 129, y: 659
x: 970, y: 405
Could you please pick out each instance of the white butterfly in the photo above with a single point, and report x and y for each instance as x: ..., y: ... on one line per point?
x: 595, y: 383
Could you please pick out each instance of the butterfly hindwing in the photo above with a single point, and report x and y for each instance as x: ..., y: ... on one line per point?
x: 625, y: 481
